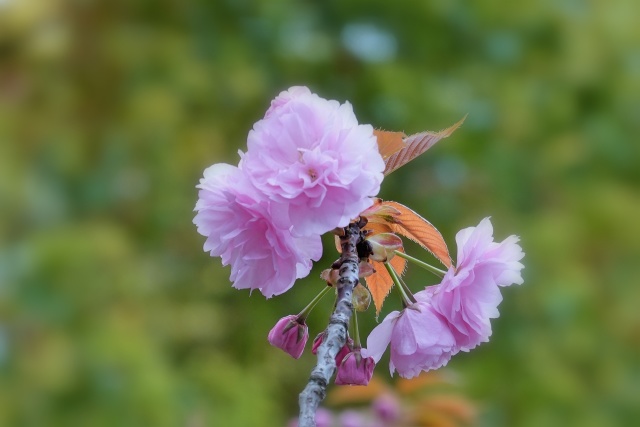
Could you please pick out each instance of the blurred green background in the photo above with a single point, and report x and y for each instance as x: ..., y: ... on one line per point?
x: 112, y: 315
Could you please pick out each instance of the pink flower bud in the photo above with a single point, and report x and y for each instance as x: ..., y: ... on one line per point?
x: 316, y: 342
x: 346, y: 349
x: 290, y: 335
x: 355, y: 370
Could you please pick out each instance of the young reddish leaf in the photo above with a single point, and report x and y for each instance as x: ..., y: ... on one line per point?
x: 374, y: 227
x: 415, y: 145
x: 389, y: 143
x: 380, y: 282
x: 380, y: 213
x: 418, y: 229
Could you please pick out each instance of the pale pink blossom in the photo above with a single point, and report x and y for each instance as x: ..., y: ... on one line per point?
x: 476, y: 246
x: 285, y: 96
x: 290, y: 334
x: 468, y: 296
x: 420, y: 340
x: 311, y: 157
x: 353, y: 369
x: 237, y: 221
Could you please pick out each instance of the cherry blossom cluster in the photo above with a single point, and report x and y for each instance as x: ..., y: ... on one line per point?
x: 309, y: 168
x: 454, y: 315
x: 437, y: 322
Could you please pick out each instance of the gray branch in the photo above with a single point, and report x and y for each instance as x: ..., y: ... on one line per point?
x: 336, y: 332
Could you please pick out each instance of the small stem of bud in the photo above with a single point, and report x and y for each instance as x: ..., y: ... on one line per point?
x: 305, y: 312
x: 422, y: 264
x: 396, y: 280
x: 356, y: 338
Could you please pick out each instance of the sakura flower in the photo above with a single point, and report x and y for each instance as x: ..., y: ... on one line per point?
x: 237, y: 222
x: 311, y: 157
x: 285, y: 96
x: 353, y: 369
x: 468, y: 296
x: 420, y: 340
x: 290, y: 334
x: 476, y: 246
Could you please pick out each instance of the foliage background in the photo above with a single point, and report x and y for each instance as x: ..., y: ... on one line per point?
x: 111, y: 314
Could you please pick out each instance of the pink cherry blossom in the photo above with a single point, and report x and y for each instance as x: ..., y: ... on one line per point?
x: 476, y: 246
x: 354, y: 369
x: 420, y: 340
x: 311, y: 157
x: 285, y: 96
x: 237, y: 222
x: 468, y: 296
x: 290, y: 334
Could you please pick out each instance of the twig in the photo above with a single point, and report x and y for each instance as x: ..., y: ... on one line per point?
x: 336, y: 332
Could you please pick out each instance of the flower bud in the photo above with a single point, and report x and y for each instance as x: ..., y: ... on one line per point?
x: 383, y: 246
x: 317, y: 341
x: 290, y: 334
x: 355, y: 370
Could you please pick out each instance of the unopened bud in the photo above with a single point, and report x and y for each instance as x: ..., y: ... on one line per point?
x: 290, y: 334
x: 383, y: 246
x: 355, y: 369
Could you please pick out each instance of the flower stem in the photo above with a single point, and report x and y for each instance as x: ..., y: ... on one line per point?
x: 422, y: 264
x: 305, y: 312
x: 356, y: 338
x: 396, y: 280
x: 406, y: 289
